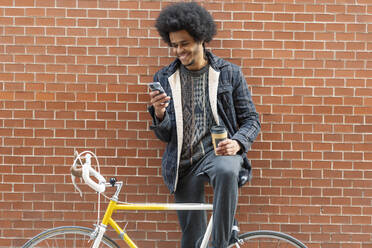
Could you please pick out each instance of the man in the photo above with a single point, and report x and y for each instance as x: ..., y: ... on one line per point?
x: 201, y: 90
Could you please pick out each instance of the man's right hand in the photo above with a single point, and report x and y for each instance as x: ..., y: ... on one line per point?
x: 160, y: 102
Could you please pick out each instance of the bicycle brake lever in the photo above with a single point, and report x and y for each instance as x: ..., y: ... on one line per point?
x: 73, y: 177
x: 75, y: 185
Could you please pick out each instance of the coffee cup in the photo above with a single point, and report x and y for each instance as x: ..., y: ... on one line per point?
x: 218, y: 133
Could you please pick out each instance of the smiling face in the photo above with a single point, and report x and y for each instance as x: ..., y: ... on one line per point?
x: 187, y: 50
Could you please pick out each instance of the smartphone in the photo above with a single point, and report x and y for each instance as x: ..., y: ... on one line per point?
x: 156, y: 86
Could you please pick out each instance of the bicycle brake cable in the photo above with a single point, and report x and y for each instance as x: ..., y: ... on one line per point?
x: 99, y: 194
x: 78, y: 157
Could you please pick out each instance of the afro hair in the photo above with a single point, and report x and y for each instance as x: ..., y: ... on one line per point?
x: 189, y: 16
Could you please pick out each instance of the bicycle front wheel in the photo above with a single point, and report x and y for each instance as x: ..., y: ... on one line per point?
x: 67, y: 236
x: 267, y: 239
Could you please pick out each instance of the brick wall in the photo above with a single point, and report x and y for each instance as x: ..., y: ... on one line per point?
x: 73, y: 76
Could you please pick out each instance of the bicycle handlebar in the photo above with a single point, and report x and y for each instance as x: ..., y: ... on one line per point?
x: 86, y: 171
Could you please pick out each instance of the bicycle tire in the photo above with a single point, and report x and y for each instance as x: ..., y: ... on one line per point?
x: 267, y: 239
x: 67, y: 236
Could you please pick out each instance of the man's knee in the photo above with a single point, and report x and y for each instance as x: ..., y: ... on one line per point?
x: 228, y: 167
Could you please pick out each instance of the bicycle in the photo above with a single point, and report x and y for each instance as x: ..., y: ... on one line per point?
x: 77, y: 236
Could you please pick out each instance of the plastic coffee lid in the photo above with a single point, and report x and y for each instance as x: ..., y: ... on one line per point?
x: 218, y: 129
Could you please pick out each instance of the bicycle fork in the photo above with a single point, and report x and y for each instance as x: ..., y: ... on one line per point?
x: 98, y: 234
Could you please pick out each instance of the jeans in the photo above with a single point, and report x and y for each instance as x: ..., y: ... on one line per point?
x: 222, y: 172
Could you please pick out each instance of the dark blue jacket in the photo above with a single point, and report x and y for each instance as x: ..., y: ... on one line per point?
x: 231, y: 105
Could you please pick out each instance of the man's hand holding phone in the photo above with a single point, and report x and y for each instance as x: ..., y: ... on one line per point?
x: 159, y: 99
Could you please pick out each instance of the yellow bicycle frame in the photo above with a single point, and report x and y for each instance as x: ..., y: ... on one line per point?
x: 114, y: 206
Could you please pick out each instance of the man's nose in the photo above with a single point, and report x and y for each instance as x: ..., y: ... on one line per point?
x: 179, y: 49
